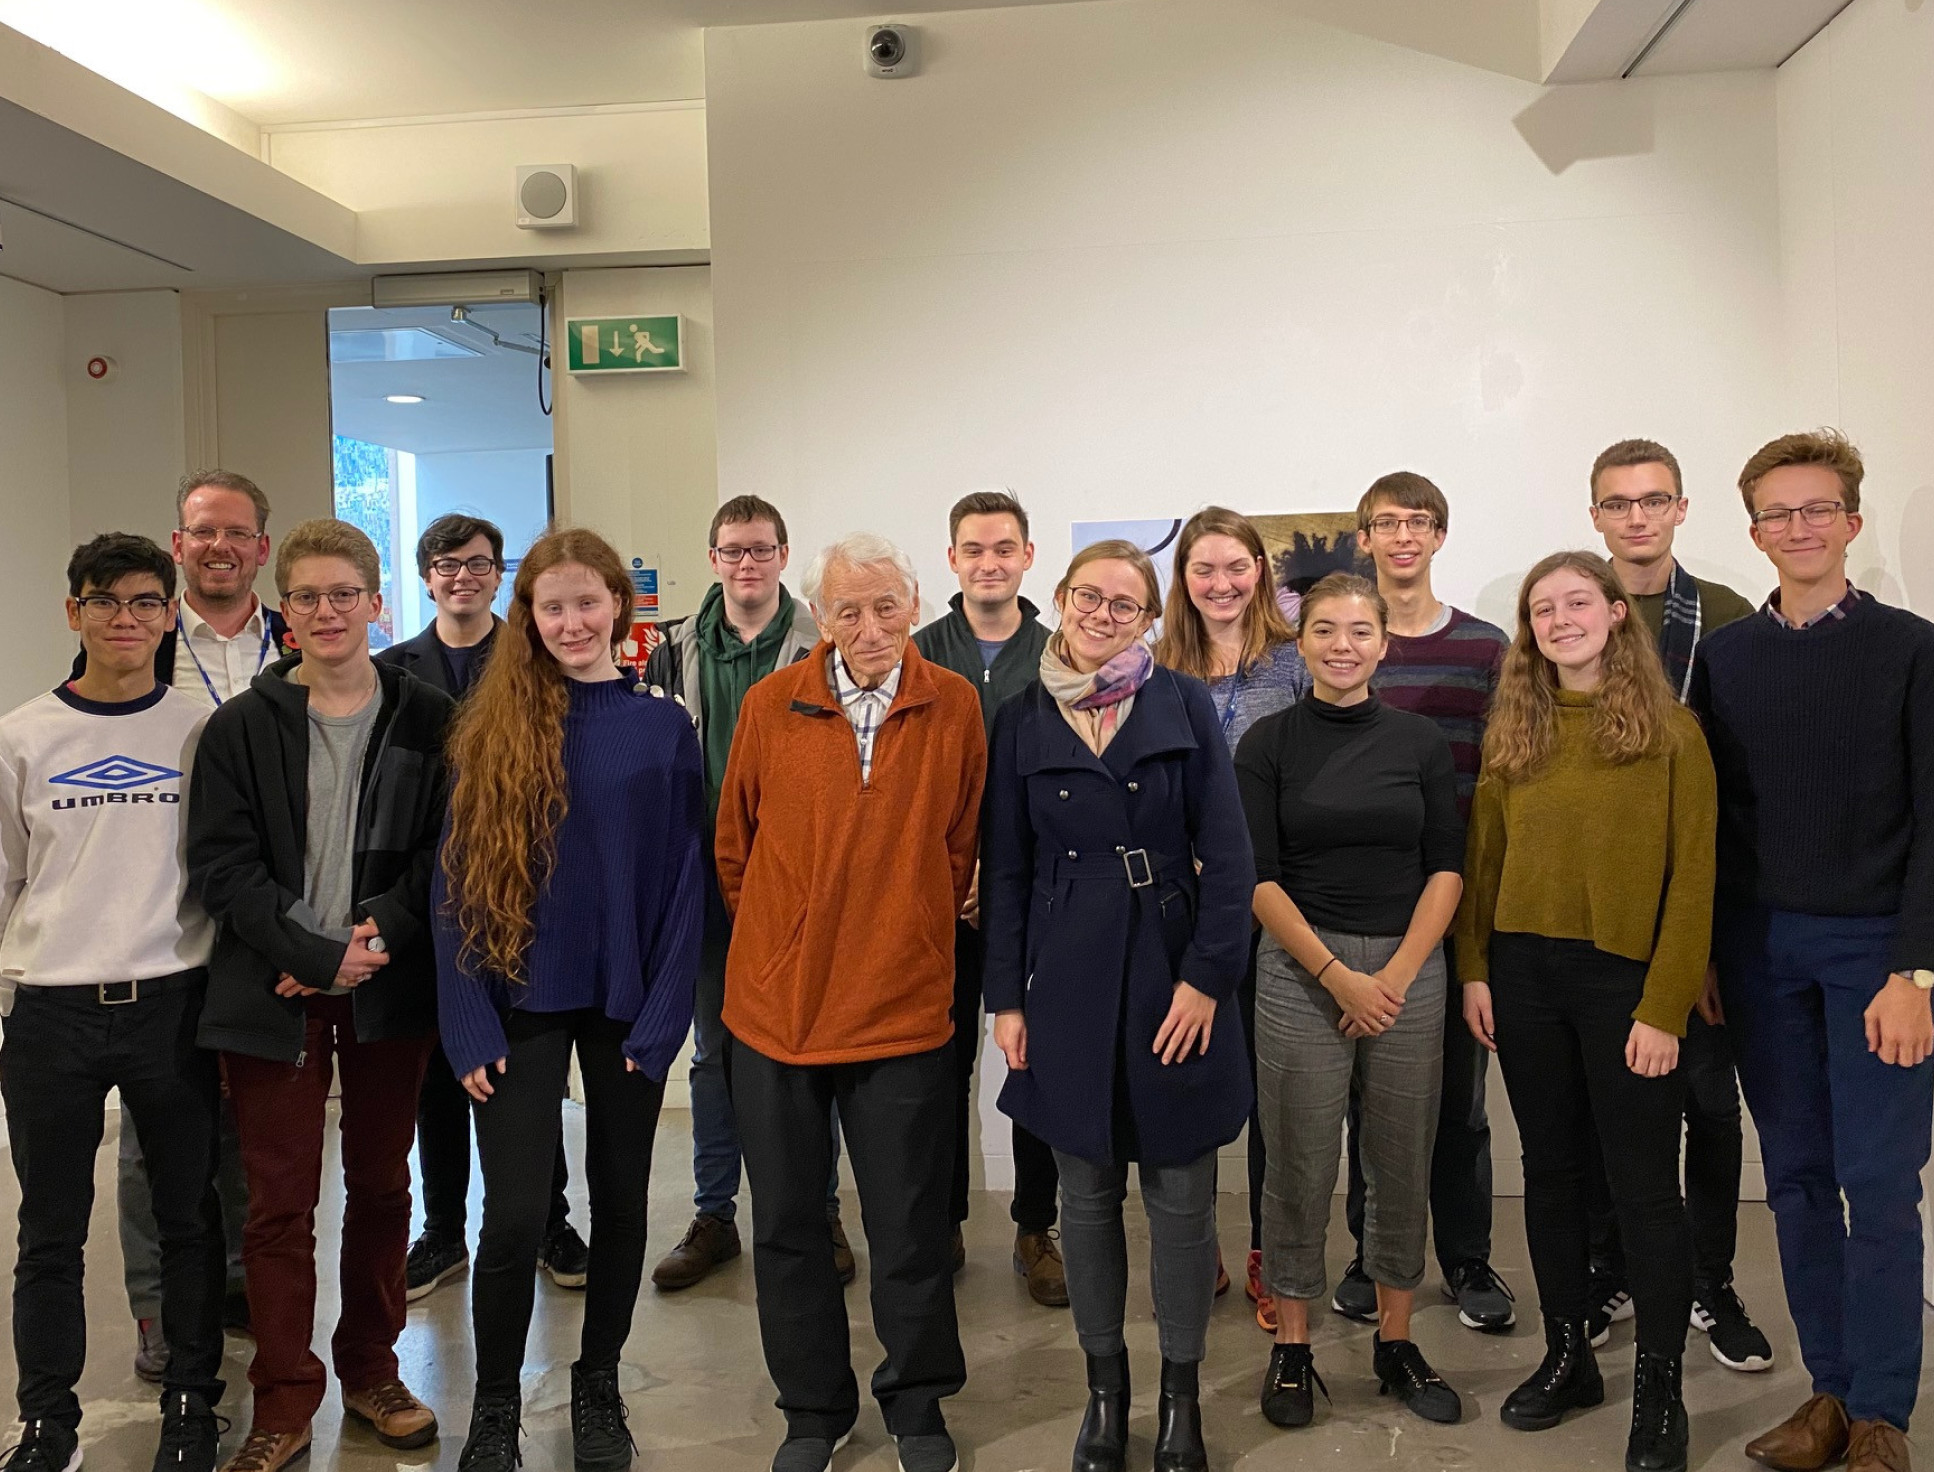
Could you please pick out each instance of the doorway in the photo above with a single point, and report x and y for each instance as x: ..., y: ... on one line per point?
x: 433, y: 410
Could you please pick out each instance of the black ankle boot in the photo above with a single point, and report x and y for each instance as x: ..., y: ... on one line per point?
x: 1178, y: 1422
x: 1658, y: 1440
x: 1102, y: 1444
x: 599, y: 1440
x: 1567, y: 1380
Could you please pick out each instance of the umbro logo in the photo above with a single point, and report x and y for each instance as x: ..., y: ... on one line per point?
x: 116, y: 774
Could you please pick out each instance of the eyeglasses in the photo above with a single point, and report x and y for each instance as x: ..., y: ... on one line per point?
x: 1620, y: 507
x: 478, y: 566
x: 208, y: 536
x: 1417, y: 526
x: 1087, y: 600
x: 101, y: 608
x: 887, y: 612
x: 764, y: 552
x: 305, y: 600
x: 1777, y: 519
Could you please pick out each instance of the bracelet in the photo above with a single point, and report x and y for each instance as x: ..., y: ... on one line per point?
x: 1324, y: 967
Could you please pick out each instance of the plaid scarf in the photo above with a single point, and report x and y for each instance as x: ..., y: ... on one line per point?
x: 1681, y: 624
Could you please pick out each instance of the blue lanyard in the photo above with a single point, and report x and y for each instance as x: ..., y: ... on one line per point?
x: 261, y: 658
x: 1236, y: 682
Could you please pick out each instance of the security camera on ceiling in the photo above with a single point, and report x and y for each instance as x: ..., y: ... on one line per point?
x: 891, y: 50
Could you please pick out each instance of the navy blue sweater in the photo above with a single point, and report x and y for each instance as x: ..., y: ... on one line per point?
x: 1823, y: 741
x: 617, y: 926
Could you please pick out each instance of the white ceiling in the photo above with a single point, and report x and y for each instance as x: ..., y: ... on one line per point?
x: 483, y: 403
x: 1731, y: 35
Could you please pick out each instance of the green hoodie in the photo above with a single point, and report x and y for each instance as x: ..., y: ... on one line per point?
x: 727, y: 668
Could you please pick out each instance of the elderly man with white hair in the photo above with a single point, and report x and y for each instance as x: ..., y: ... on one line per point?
x: 847, y: 833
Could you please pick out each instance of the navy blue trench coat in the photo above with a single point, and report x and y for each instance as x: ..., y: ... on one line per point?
x: 1092, y: 909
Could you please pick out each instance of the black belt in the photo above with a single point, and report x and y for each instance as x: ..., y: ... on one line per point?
x: 1140, y: 867
x: 121, y: 993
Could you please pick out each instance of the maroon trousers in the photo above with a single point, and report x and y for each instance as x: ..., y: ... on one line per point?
x: 279, y: 1108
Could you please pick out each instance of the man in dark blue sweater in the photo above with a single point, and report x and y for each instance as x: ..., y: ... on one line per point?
x: 1820, y: 712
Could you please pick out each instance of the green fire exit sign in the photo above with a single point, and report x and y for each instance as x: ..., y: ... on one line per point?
x: 624, y: 345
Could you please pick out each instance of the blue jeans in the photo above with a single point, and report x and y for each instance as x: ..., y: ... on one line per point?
x: 1844, y: 1137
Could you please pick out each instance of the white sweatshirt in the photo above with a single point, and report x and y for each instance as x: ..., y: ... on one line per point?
x: 93, y: 833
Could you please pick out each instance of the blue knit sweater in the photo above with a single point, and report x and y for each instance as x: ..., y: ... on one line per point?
x: 617, y: 925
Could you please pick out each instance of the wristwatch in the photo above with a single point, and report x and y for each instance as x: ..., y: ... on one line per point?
x: 1924, y: 979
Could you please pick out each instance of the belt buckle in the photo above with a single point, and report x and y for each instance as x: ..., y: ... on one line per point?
x: 134, y: 993
x: 1148, y: 870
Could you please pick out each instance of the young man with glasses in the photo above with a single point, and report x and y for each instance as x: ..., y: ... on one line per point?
x: 1638, y: 504
x: 461, y: 561
x: 1820, y: 713
x: 747, y: 626
x: 993, y: 637
x: 1442, y: 663
x: 91, y: 830
x: 318, y: 799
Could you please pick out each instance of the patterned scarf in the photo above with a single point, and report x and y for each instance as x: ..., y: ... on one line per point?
x: 1681, y: 624
x: 1096, y: 704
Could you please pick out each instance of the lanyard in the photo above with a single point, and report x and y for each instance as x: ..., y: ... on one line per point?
x: 1236, y: 682
x: 261, y: 658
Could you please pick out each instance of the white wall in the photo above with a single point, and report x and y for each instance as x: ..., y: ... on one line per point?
x: 33, y: 492
x: 504, y: 486
x: 1096, y: 253
x: 126, y: 446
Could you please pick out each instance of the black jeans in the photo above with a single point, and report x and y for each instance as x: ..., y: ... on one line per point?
x: 443, y: 1156
x: 1563, y: 1011
x: 64, y: 1049
x: 517, y: 1130
x: 1036, y: 1176
x: 1460, y: 1156
x: 1715, y: 1155
x: 891, y: 1111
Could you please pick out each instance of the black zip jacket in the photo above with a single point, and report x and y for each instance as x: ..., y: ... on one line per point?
x: 950, y: 642
x: 247, y: 821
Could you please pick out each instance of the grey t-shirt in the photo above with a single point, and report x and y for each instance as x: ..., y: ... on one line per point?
x: 336, y: 748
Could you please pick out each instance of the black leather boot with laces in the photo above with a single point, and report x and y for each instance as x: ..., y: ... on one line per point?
x: 1567, y: 1380
x: 1659, y: 1430
x: 599, y: 1440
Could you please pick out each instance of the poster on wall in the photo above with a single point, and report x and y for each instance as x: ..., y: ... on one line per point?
x: 1154, y: 535
x: 1302, y: 547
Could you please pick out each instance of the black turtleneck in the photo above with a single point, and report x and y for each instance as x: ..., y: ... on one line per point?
x: 1351, y: 809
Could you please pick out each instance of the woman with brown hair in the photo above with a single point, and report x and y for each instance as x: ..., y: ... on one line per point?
x: 567, y: 908
x: 1222, y: 623
x: 1582, y: 945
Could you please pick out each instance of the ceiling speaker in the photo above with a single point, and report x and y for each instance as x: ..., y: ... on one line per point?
x: 547, y: 196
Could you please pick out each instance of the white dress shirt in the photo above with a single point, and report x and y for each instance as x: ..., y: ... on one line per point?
x: 203, y: 658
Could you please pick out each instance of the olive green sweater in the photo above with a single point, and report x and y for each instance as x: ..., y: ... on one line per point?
x: 1620, y: 855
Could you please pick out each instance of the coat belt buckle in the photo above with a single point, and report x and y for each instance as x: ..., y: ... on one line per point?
x: 101, y: 990
x: 1148, y: 870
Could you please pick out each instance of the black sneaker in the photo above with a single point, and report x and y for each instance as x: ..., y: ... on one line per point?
x: 931, y: 1451
x: 432, y: 1260
x: 565, y: 1257
x: 1356, y: 1295
x: 1289, y: 1386
x: 1611, y: 1301
x: 1734, y: 1339
x: 190, y: 1434
x: 807, y: 1453
x: 599, y: 1440
x: 1403, y: 1371
x: 43, y: 1447
x: 491, y: 1445
x: 1484, y: 1301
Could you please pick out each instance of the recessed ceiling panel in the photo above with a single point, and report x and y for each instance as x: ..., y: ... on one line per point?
x: 1737, y: 35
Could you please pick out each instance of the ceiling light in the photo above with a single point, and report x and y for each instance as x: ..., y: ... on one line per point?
x: 404, y: 398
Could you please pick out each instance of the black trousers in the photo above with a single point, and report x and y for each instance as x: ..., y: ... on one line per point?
x: 518, y: 1130
x: 1563, y: 1011
x: 1036, y: 1177
x: 443, y: 1156
x: 1715, y: 1156
x: 1258, y: 1153
x: 63, y: 1050
x: 1460, y: 1155
x: 891, y: 1111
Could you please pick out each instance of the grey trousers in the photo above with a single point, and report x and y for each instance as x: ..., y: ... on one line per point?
x: 1180, y: 1201
x: 141, y: 1238
x: 1305, y: 1068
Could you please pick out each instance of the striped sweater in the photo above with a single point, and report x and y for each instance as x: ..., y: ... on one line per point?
x: 1450, y: 676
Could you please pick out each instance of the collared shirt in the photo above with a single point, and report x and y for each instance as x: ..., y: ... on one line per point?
x: 864, y: 708
x: 203, y: 658
x: 1837, y: 610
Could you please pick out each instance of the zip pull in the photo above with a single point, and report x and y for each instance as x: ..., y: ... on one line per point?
x: 302, y: 1058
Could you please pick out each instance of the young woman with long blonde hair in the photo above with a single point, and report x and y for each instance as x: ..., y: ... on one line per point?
x: 1582, y: 945
x: 567, y: 908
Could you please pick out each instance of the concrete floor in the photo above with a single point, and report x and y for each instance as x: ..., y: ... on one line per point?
x: 700, y: 1400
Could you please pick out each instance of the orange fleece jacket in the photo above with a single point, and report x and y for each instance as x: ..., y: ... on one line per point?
x: 843, y: 897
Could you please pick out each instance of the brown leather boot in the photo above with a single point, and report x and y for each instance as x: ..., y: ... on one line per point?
x: 1876, y: 1446
x: 1038, y: 1259
x: 268, y: 1451
x: 1813, y: 1437
x: 709, y: 1242
x: 398, y: 1418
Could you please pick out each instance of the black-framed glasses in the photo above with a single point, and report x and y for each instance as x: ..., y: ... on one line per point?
x: 208, y: 536
x: 306, y: 600
x: 764, y: 552
x: 102, y: 608
x: 478, y: 566
x: 1087, y: 600
x: 1620, y: 507
x: 1815, y: 514
x: 1417, y: 526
